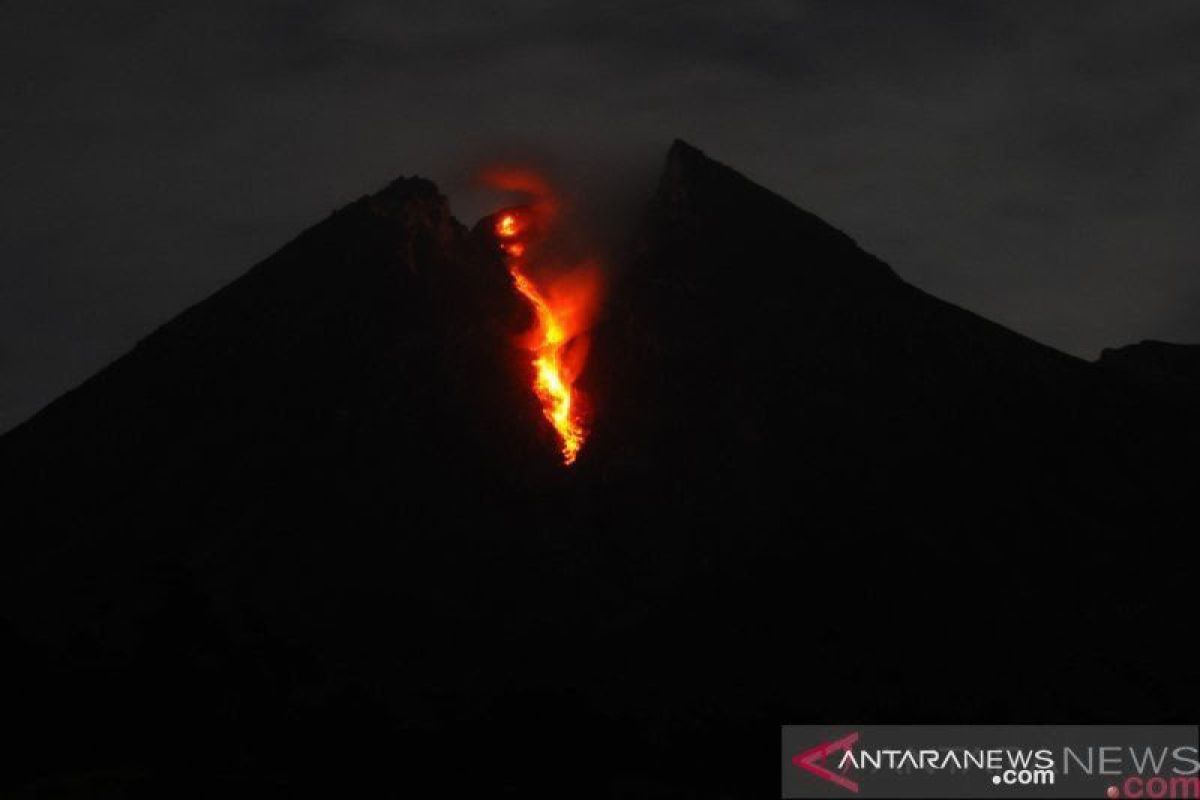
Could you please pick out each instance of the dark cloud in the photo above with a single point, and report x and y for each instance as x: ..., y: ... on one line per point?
x: 1034, y: 162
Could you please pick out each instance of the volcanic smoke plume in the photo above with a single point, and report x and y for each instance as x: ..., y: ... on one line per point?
x: 563, y: 301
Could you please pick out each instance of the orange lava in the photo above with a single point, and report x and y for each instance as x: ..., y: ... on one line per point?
x: 558, y: 339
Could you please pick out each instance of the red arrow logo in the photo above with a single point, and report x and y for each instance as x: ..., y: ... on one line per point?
x: 809, y: 758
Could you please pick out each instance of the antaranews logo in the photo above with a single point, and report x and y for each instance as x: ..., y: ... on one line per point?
x: 989, y: 761
x: 813, y: 760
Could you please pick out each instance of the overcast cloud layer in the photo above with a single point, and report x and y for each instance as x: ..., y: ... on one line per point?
x: 1034, y: 162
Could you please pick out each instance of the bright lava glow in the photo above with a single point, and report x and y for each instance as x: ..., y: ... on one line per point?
x: 506, y: 228
x: 549, y: 341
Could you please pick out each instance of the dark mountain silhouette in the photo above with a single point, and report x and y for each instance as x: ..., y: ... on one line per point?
x: 1173, y: 368
x: 313, y: 534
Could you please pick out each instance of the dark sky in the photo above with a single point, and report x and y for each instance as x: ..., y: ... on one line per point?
x: 1035, y: 162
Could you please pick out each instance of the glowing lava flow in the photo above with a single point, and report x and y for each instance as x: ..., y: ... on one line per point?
x: 549, y: 341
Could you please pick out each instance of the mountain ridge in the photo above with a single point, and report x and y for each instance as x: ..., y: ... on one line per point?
x: 326, y: 502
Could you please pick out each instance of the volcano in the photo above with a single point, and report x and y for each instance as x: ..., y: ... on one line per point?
x: 315, y: 534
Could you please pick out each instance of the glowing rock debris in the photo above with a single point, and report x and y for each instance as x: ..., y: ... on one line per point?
x: 556, y: 331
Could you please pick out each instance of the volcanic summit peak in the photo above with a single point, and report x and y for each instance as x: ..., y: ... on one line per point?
x: 703, y: 205
x: 405, y: 191
x: 419, y: 202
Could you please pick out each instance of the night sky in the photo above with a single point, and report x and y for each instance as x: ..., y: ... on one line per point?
x: 1034, y: 162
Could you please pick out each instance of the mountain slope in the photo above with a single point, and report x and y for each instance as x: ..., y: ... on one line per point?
x: 1172, y: 368
x: 315, y: 531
